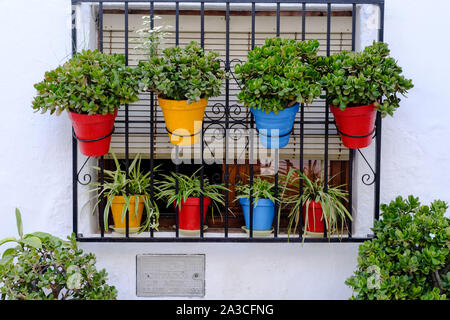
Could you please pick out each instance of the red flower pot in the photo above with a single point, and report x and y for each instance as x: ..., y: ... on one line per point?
x: 189, y: 213
x: 315, y: 219
x: 356, y: 125
x: 93, y: 132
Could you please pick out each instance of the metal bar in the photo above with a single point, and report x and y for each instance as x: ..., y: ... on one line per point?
x: 302, y: 132
x: 278, y: 19
x: 245, y: 1
x: 325, y: 162
x: 350, y: 189
x: 222, y: 240
x: 353, y: 26
x: 101, y: 212
x: 215, y: 121
x: 177, y: 211
x: 275, y: 229
x: 177, y: 149
x: 202, y: 43
x: 202, y: 25
x: 100, y: 26
x: 352, y: 152
x: 303, y: 21
x: 152, y: 126
x: 378, y: 132
x: 177, y: 23
x: 74, y: 143
x: 277, y: 214
x: 201, y: 184
x: 227, y: 109
x: 127, y: 164
x: 252, y: 144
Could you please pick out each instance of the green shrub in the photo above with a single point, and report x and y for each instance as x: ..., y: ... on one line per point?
x: 182, y: 73
x: 409, y: 257
x: 362, y: 78
x: 44, y: 267
x: 279, y: 74
x: 89, y: 83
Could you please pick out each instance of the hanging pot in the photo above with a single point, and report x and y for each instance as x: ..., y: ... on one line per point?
x: 134, y: 221
x: 263, y: 213
x: 93, y: 132
x: 183, y: 120
x: 275, y: 129
x: 315, y: 219
x: 356, y: 125
x: 189, y: 213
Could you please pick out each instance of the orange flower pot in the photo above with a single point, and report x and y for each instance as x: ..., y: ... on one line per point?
x: 183, y: 121
x: 117, y: 206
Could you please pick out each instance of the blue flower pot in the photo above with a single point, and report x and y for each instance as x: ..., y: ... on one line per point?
x: 263, y: 213
x: 275, y: 129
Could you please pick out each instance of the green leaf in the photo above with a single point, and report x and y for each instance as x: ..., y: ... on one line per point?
x: 5, y: 260
x: 19, y: 223
x: 8, y: 239
x: 33, y: 242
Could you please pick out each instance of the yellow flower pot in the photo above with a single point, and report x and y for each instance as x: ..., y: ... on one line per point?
x: 183, y: 121
x: 117, y: 206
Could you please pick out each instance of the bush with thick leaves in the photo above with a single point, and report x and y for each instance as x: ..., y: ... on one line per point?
x: 409, y: 257
x: 182, y: 73
x: 362, y: 78
x: 90, y: 83
x: 44, y: 267
x: 279, y: 74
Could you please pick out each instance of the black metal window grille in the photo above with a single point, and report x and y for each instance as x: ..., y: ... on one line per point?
x: 226, y: 121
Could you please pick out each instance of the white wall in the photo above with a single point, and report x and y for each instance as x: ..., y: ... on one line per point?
x: 415, y: 147
x: 35, y: 167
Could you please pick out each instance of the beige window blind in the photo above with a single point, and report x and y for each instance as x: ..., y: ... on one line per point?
x: 240, y: 44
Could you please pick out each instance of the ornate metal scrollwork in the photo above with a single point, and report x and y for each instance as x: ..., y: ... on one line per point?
x: 87, y: 178
x: 366, y: 178
x: 217, y: 113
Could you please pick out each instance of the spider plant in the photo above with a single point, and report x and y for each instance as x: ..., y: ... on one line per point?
x: 188, y: 186
x: 261, y: 189
x: 138, y: 184
x: 333, y: 209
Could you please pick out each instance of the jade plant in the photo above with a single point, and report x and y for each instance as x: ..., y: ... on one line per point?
x: 43, y: 267
x: 409, y: 257
x: 90, y: 83
x: 279, y: 74
x: 187, y: 73
x: 363, y: 78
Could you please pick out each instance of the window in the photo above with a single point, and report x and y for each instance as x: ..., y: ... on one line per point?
x: 232, y: 29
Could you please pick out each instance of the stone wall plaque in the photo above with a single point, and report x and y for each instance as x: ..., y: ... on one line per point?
x: 170, y: 275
